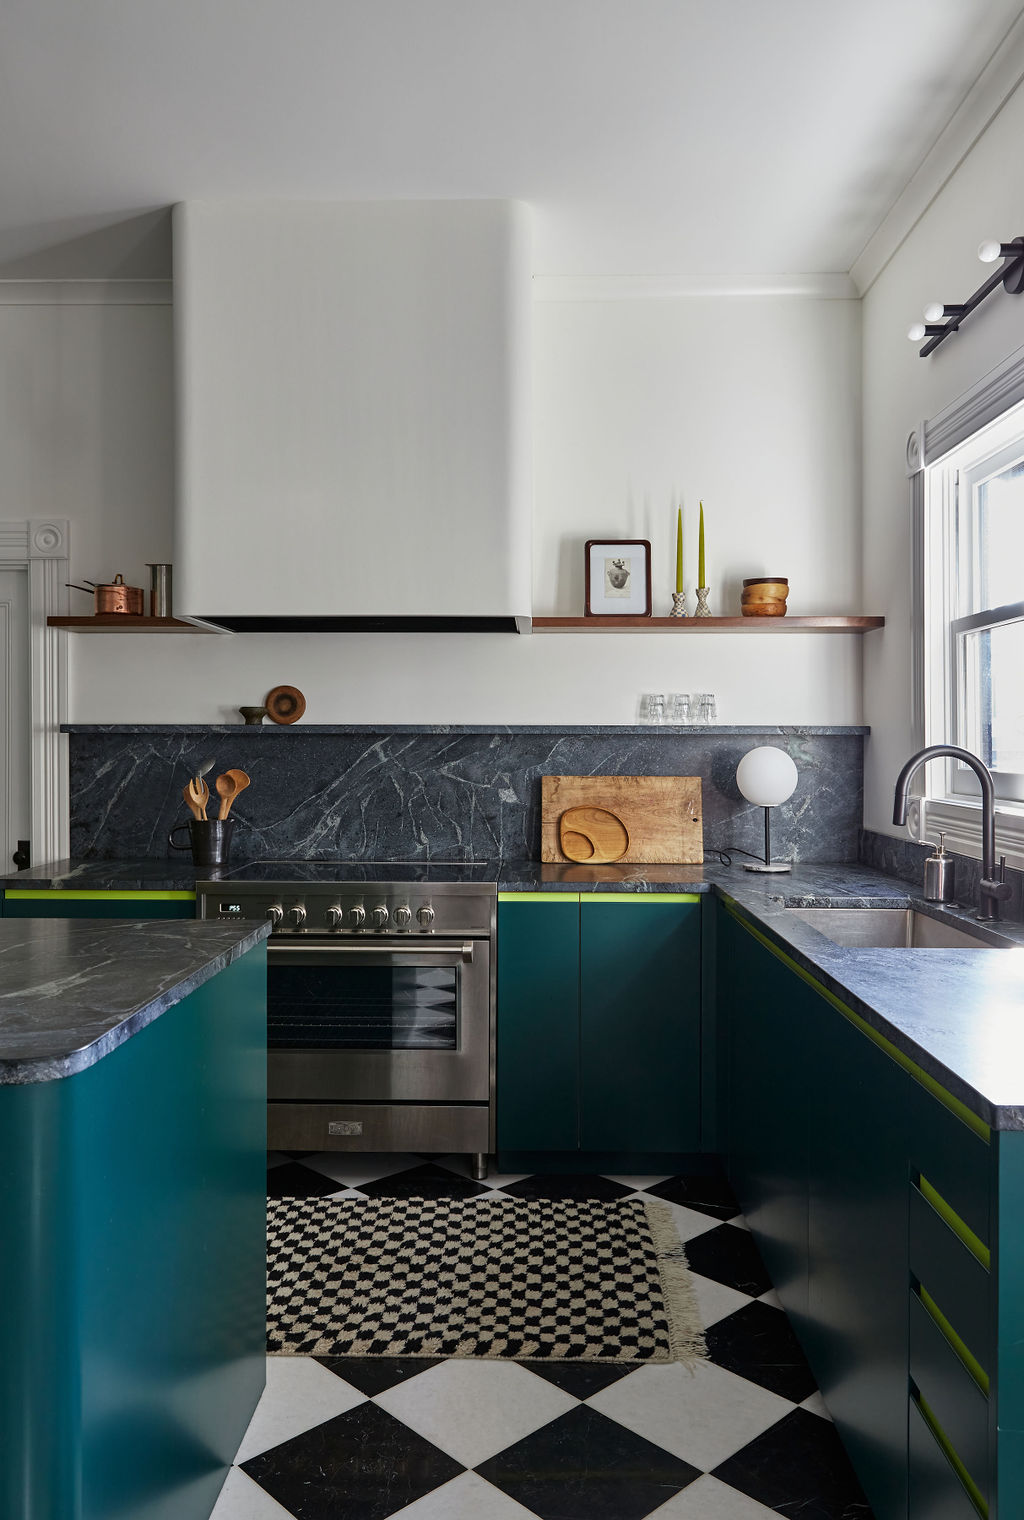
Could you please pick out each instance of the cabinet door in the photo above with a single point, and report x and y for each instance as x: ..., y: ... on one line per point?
x: 57, y: 904
x: 639, y: 1023
x: 856, y: 1333
x: 763, y: 1035
x: 538, y: 1021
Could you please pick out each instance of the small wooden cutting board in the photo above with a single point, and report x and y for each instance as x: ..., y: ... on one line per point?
x: 590, y: 833
x: 660, y: 815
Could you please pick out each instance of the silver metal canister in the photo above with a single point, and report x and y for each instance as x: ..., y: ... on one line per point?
x: 160, y: 590
x: 938, y: 876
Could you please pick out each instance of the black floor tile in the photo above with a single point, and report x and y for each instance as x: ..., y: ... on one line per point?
x: 293, y: 1180
x: 709, y: 1195
x: 730, y: 1256
x: 373, y: 1374
x: 363, y: 1465
x: 798, y: 1468
x: 584, y: 1466
x: 554, y: 1187
x: 581, y: 1379
x: 757, y: 1343
x: 427, y: 1181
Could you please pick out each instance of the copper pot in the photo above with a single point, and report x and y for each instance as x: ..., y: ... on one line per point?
x: 114, y: 596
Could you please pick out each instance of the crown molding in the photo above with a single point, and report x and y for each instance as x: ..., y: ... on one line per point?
x: 85, y: 292
x: 979, y: 108
x: 672, y: 287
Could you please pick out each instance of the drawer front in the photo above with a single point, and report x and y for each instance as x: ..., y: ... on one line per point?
x: 953, y: 1157
x: 935, y: 1490
x: 958, y: 1404
x: 953, y: 1275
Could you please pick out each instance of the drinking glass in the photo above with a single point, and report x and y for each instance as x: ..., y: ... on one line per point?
x: 679, y: 707
x: 705, y: 708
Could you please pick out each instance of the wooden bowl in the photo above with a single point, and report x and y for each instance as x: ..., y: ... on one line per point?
x: 765, y: 590
x: 285, y: 704
x: 763, y: 609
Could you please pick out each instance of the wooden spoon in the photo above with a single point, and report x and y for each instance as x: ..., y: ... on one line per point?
x: 200, y: 795
x: 192, y: 806
x: 228, y: 787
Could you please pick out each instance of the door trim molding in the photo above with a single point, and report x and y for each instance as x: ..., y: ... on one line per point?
x: 40, y: 546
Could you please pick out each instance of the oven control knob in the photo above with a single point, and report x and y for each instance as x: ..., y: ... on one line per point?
x: 380, y: 916
x: 334, y: 917
x: 297, y: 915
x: 425, y: 916
x: 357, y: 916
x: 275, y: 914
x: 403, y: 917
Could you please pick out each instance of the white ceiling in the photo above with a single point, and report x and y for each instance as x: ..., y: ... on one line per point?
x: 653, y: 137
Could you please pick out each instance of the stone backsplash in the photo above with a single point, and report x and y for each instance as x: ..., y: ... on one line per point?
x: 440, y: 793
x: 905, y: 858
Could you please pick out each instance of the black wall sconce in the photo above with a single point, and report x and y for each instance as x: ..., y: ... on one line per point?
x: 940, y: 320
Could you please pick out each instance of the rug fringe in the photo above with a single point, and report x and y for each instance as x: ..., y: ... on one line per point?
x: 685, y: 1334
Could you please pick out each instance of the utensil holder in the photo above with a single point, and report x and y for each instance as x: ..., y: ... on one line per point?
x: 160, y: 590
x: 209, y: 840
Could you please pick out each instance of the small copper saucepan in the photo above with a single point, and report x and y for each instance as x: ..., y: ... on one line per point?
x: 114, y: 596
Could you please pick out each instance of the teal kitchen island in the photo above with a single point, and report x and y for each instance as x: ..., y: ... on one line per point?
x: 132, y: 1200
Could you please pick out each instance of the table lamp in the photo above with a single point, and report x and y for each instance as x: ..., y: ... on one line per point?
x: 767, y: 776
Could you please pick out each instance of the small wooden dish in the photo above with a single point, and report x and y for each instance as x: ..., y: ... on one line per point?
x: 285, y: 704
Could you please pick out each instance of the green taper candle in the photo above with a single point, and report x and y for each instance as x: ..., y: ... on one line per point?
x: 679, y: 551
x: 701, y: 580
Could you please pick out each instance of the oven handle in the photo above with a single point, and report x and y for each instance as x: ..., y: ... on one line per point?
x: 384, y: 955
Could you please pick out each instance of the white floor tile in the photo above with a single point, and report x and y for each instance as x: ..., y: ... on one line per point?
x: 702, y: 1416
x: 467, y: 1497
x: 300, y: 1393
x: 707, y: 1499
x: 689, y: 1222
x: 242, y: 1499
x: 739, y: 1223
x: 772, y: 1298
x: 352, y: 1169
x: 472, y: 1408
x: 715, y: 1300
x: 815, y: 1404
x: 639, y: 1183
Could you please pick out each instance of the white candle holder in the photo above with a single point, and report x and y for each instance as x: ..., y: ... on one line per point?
x: 702, y: 609
x: 678, y: 604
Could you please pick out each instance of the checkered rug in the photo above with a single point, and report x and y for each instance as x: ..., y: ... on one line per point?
x: 569, y: 1280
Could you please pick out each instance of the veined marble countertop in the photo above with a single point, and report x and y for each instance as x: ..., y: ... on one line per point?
x: 72, y: 990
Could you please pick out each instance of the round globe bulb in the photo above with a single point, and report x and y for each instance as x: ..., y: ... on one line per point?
x: 934, y: 311
x: 916, y: 332
x: 767, y: 776
x: 989, y: 251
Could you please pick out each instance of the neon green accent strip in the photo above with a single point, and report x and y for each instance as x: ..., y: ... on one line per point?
x: 975, y: 1494
x: 936, y: 1089
x: 540, y: 897
x: 962, y: 1231
x: 56, y: 894
x: 963, y: 1351
x: 639, y: 897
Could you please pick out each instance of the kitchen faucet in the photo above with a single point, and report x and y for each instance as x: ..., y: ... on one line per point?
x: 991, y: 889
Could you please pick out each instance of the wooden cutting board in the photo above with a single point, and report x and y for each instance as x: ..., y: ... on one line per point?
x: 660, y: 814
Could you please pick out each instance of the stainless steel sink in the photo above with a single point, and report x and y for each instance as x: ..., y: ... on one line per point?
x: 891, y: 929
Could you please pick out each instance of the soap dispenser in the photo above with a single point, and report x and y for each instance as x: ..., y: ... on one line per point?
x: 938, y: 876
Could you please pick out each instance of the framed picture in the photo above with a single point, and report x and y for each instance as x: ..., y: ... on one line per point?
x: 618, y: 577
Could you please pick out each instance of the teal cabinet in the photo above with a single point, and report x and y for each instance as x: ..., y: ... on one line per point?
x: 538, y: 1102
x: 133, y: 1270
x: 599, y: 1031
x: 44, y: 903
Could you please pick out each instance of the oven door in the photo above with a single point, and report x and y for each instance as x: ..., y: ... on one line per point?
x: 384, y: 1020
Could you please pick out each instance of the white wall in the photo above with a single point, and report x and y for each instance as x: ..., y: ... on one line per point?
x: 750, y: 402
x: 937, y: 262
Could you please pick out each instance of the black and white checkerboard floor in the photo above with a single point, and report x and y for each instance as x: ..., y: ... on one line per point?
x: 743, y: 1437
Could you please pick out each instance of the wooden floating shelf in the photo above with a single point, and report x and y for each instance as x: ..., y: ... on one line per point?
x: 706, y: 625
x: 123, y: 622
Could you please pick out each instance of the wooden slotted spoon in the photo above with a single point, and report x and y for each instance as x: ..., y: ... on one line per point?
x: 197, y: 795
x: 228, y: 787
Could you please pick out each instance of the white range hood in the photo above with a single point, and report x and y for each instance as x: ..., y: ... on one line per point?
x: 353, y: 420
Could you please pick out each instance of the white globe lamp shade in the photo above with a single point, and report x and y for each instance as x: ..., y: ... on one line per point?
x: 767, y: 776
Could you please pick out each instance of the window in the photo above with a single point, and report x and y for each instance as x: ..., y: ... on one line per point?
x: 974, y: 610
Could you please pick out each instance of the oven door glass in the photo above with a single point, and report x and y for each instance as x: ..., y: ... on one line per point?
x: 356, y: 996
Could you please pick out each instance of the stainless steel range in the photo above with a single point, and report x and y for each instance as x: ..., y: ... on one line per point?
x: 380, y: 1002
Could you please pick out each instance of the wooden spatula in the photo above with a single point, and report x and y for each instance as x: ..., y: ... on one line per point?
x: 228, y: 787
x: 192, y: 805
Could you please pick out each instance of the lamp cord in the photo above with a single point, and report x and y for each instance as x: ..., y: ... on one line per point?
x: 728, y: 851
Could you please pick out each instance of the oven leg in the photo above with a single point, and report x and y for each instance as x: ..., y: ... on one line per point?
x: 478, y: 1166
